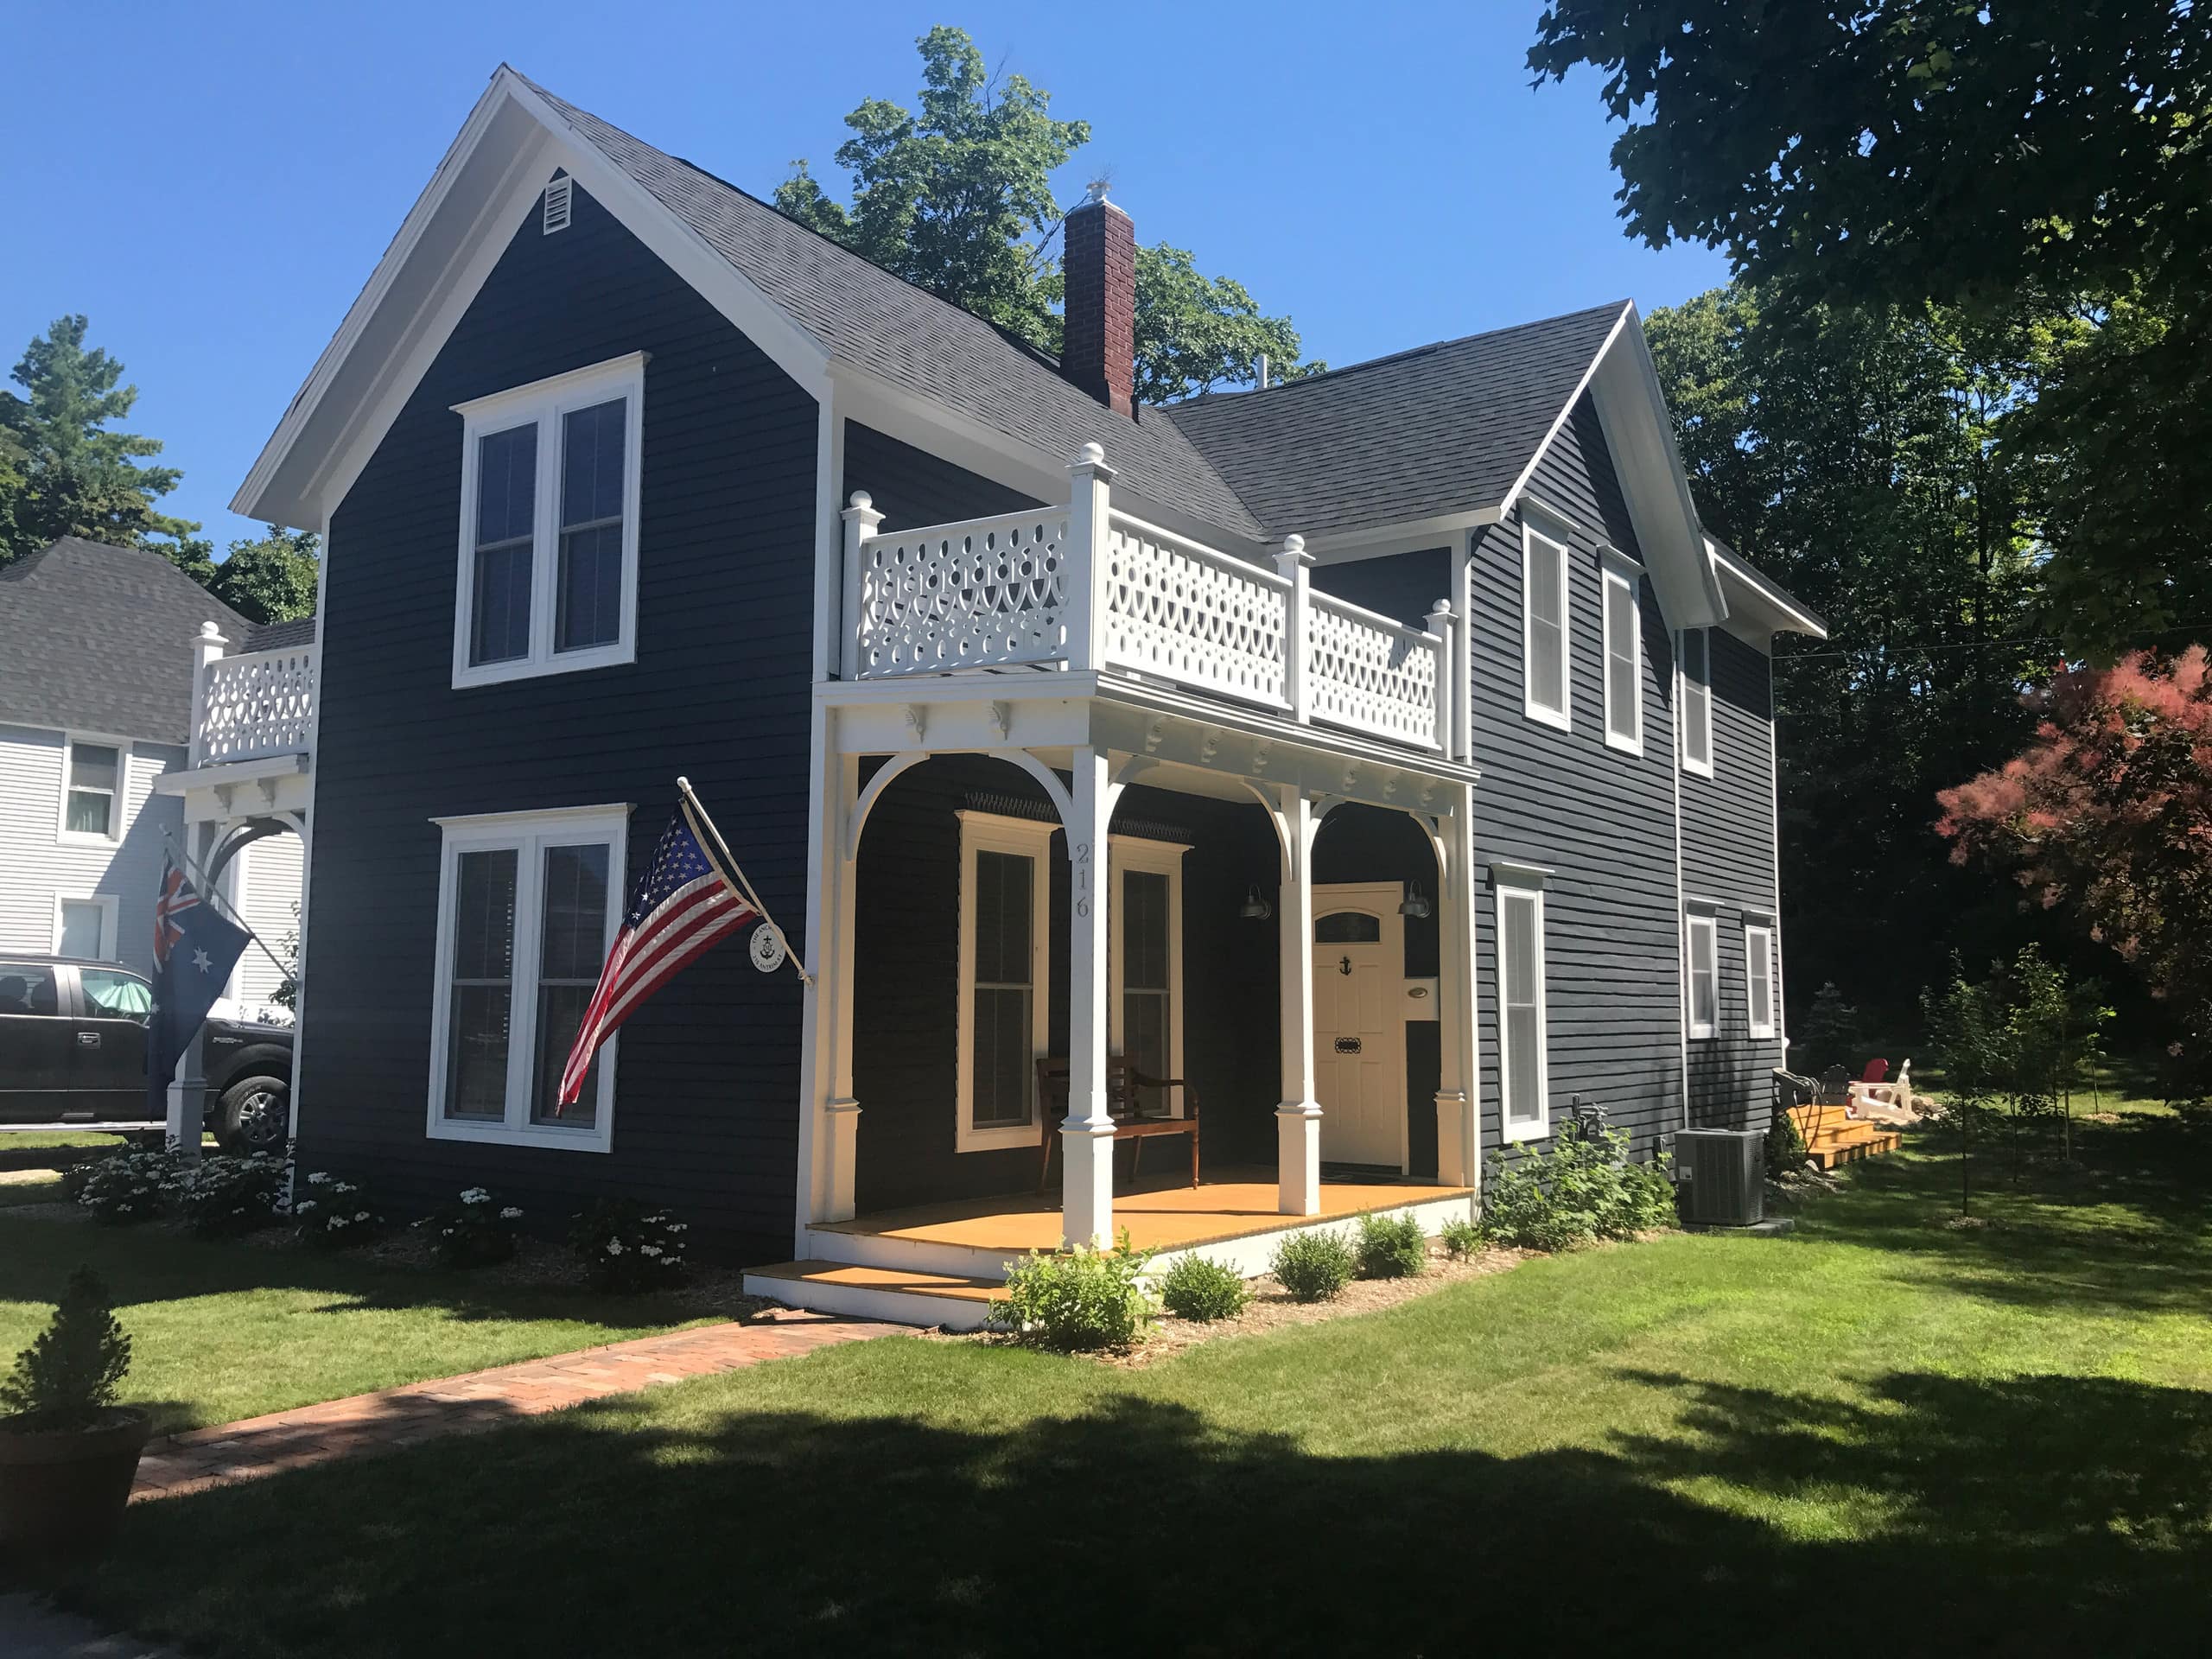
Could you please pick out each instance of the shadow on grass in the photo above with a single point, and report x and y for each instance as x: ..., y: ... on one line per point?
x: 152, y: 1263
x: 2126, y: 1225
x: 2045, y: 1515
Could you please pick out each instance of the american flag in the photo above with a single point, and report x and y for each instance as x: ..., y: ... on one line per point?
x: 681, y: 908
x: 175, y: 897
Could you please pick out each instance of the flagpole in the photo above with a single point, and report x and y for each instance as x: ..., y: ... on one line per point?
x: 226, y: 908
x: 738, y: 875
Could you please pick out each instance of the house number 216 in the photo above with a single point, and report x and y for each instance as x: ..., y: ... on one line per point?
x: 1082, y: 878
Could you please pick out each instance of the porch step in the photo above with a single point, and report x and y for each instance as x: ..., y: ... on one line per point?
x: 902, y: 1296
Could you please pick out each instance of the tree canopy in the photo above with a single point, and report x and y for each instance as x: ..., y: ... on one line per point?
x: 270, y: 578
x: 64, y: 470
x: 956, y: 196
x: 2024, y: 160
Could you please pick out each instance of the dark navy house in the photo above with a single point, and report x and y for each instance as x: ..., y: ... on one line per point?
x: 1314, y: 791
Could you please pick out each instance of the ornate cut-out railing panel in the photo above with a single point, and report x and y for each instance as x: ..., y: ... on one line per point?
x: 984, y: 594
x: 1368, y: 673
x: 257, y: 704
x: 1187, y: 613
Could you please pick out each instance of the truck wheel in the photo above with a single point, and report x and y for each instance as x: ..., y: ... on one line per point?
x: 256, y: 1116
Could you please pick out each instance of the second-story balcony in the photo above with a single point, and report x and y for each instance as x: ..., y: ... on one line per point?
x: 252, y: 731
x: 1090, y: 586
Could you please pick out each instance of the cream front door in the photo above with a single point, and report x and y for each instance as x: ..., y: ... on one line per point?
x: 1359, y: 1038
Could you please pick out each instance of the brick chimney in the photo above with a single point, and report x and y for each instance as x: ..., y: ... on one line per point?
x: 1100, y: 354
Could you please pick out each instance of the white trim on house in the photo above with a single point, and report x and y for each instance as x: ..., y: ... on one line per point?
x: 1512, y: 889
x: 108, y: 905
x: 1758, y: 952
x: 545, y: 405
x: 1620, y: 577
x: 527, y: 834
x: 1695, y: 701
x: 1532, y: 698
x: 1125, y: 853
x: 1702, y: 924
x: 1030, y: 838
x: 118, y: 797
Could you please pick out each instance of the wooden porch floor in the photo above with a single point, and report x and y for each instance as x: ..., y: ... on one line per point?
x: 1159, y: 1215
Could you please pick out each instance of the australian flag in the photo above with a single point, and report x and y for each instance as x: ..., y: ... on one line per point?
x: 194, y: 950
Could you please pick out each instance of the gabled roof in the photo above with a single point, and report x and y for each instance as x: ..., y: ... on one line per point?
x: 98, y: 638
x: 281, y: 636
x: 866, y: 318
x: 1448, y: 432
x: 1440, y: 429
x: 1756, y: 600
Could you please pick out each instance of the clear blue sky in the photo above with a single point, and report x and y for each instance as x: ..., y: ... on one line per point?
x: 212, y: 183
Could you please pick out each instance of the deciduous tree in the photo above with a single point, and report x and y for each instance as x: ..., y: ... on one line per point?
x: 270, y: 579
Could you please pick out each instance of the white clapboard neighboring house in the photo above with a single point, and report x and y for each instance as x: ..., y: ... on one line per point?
x: 101, y: 649
x: 1384, y: 760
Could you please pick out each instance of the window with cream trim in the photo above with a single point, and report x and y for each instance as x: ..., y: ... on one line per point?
x: 1623, y: 658
x: 1544, y: 628
x: 1144, y: 962
x: 1758, y: 979
x: 549, y: 536
x: 1702, y: 941
x: 1005, y: 949
x: 1523, y: 1066
x: 1697, y: 701
x: 528, y: 904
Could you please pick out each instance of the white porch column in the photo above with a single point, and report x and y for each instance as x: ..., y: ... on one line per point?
x: 835, y: 1141
x: 208, y: 645
x: 1293, y: 564
x: 1459, y: 1135
x: 188, y: 1091
x: 1083, y: 580
x: 1297, y: 1119
x: 1087, y: 1137
x: 860, y: 520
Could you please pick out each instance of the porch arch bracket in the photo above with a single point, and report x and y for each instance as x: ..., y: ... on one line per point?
x: 869, y: 796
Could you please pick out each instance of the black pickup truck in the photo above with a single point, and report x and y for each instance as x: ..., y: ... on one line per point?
x: 72, y: 1052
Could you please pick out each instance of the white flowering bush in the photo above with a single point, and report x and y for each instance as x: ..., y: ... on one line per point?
x: 625, y: 1246
x: 474, y: 1230
x: 226, y: 1197
x: 132, y: 1187
x: 333, y: 1212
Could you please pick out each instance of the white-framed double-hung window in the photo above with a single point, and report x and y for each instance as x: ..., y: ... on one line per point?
x: 1759, y: 978
x: 1005, y: 947
x: 1623, y: 624
x: 1701, y: 941
x: 1523, y: 1063
x: 84, y: 925
x: 1544, y: 645
x: 93, y: 774
x: 548, y: 579
x: 528, y: 904
x: 1697, y: 701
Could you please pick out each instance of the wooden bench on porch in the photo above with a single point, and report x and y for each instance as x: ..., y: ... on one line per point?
x: 1123, y: 1085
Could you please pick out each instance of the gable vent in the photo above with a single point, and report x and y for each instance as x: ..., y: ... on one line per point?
x: 556, y: 204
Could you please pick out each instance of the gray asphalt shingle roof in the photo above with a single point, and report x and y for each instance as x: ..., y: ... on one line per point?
x: 98, y: 638
x: 864, y: 315
x: 1441, y: 429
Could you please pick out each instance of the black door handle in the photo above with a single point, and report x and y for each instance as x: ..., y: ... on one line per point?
x: 88, y: 1039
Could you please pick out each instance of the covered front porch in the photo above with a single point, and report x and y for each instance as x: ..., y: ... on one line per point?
x: 1076, y: 783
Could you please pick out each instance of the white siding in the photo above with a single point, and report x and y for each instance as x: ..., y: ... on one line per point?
x: 36, y: 865
x: 265, y: 887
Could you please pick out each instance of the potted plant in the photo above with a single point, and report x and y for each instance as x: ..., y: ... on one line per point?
x: 68, y: 1452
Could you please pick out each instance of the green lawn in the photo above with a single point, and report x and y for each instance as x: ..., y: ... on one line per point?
x: 225, y: 1330
x: 1882, y: 1435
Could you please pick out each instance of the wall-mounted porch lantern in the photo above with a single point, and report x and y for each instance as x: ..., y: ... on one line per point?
x: 1416, y: 902
x: 1255, y: 908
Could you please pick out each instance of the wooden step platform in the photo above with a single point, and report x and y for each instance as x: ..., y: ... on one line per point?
x: 898, y: 1295
x: 1831, y: 1139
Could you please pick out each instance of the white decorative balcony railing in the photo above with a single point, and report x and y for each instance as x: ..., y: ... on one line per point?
x: 1087, y: 585
x: 251, y: 706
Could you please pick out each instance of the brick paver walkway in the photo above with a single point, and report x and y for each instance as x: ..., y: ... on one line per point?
x: 202, y: 1458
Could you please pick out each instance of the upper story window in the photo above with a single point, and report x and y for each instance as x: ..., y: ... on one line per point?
x: 1623, y: 656
x: 91, y: 795
x: 528, y: 904
x: 1697, y: 701
x: 549, y: 535
x: 1543, y: 627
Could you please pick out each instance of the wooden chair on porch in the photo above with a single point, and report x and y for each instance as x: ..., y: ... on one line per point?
x: 1125, y: 1085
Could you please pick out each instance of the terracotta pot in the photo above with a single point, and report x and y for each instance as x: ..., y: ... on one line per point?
x: 62, y: 1491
